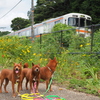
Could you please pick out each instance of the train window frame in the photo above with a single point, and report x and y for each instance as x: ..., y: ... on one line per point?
x: 76, y: 24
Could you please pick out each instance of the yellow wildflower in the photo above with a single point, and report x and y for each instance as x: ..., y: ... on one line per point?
x: 30, y: 59
x: 23, y: 51
x: 88, y: 44
x: 81, y: 45
x: 84, y: 55
x: 34, y: 54
x: 28, y: 50
x: 40, y: 59
x: 45, y: 59
x: 40, y: 54
x: 30, y: 46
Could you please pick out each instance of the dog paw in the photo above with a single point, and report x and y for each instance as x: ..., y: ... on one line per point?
x: 6, y: 91
x: 26, y: 88
x: 36, y: 91
x: 14, y: 96
x: 0, y: 91
x: 19, y: 95
x: 51, y: 90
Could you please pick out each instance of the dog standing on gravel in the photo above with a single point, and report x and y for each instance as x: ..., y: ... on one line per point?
x: 13, y: 76
x: 47, y: 71
x: 32, y: 75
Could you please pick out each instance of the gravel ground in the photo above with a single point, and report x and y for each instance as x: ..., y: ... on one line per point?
x: 62, y: 92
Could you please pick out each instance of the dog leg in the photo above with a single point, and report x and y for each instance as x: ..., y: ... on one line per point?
x: 14, y: 95
x: 47, y: 84
x: 26, y: 84
x: 50, y: 87
x: 6, y: 83
x: 37, y: 83
x: 2, y: 80
x: 30, y: 86
x: 21, y: 84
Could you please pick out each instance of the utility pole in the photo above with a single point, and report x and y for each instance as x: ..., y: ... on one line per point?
x: 32, y: 18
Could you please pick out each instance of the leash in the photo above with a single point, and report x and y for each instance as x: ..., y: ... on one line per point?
x: 34, y: 87
x: 48, y: 85
x: 16, y: 89
x: 38, y: 96
x: 31, y: 96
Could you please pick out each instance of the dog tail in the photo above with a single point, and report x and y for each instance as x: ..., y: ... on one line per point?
x: 25, y: 65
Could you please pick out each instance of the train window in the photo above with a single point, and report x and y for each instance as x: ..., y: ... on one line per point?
x: 82, y: 22
x: 73, y: 21
x: 58, y: 21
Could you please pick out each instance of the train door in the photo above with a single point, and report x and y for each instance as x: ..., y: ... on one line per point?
x: 83, y: 27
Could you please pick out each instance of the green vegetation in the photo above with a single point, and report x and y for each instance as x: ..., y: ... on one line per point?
x: 46, y: 9
x: 4, y: 33
x: 19, y: 23
x: 74, y: 71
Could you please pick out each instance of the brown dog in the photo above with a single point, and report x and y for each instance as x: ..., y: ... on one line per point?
x: 13, y: 76
x: 47, y: 71
x: 32, y: 75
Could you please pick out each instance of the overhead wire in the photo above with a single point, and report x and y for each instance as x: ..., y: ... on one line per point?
x: 10, y: 10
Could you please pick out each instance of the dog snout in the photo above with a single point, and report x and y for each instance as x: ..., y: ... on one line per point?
x: 16, y: 69
x: 37, y: 69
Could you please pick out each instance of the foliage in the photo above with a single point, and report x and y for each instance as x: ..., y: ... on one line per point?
x: 77, y: 67
x: 4, y: 33
x: 66, y: 35
x: 46, y: 9
x: 19, y: 23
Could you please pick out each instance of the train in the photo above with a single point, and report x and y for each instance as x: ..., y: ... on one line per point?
x: 78, y: 20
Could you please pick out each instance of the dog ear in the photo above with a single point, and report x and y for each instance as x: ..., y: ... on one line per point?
x: 32, y: 64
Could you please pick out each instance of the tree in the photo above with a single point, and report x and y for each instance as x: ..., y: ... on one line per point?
x: 4, y: 33
x: 19, y: 23
x: 46, y: 9
x: 93, y: 9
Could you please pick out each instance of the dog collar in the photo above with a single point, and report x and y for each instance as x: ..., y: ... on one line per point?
x: 17, y: 78
x: 34, y: 79
x: 49, y: 69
